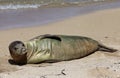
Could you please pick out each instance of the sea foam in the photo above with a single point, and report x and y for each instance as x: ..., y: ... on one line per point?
x: 11, y: 6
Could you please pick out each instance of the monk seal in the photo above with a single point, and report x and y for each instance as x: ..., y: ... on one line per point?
x: 54, y: 48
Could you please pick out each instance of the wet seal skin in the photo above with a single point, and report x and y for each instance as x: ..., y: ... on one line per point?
x: 54, y: 48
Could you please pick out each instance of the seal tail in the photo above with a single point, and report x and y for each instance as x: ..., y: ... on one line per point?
x: 105, y: 48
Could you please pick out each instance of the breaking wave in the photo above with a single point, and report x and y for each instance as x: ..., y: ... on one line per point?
x: 19, y: 4
x: 11, y: 6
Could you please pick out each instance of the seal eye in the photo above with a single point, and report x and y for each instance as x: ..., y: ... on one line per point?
x: 15, y: 48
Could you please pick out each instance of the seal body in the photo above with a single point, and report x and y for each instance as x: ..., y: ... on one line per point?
x: 52, y: 48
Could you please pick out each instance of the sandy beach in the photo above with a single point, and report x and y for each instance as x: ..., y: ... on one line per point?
x: 103, y: 25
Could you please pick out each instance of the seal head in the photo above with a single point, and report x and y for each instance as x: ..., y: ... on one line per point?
x: 18, y: 52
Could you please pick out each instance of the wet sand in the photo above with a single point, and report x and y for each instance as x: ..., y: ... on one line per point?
x: 102, y: 25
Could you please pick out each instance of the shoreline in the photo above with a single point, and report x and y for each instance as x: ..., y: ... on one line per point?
x: 43, y: 16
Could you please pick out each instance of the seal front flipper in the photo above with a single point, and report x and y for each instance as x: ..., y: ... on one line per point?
x: 51, y: 37
x: 40, y: 36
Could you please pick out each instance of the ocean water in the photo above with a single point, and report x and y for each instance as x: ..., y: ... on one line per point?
x: 26, y: 13
x: 18, y: 4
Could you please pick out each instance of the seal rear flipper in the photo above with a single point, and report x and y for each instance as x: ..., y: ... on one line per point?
x: 104, y: 48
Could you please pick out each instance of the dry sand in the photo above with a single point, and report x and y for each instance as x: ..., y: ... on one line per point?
x: 103, y: 26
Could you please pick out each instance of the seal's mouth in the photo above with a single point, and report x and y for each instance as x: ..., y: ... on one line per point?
x: 23, y: 51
